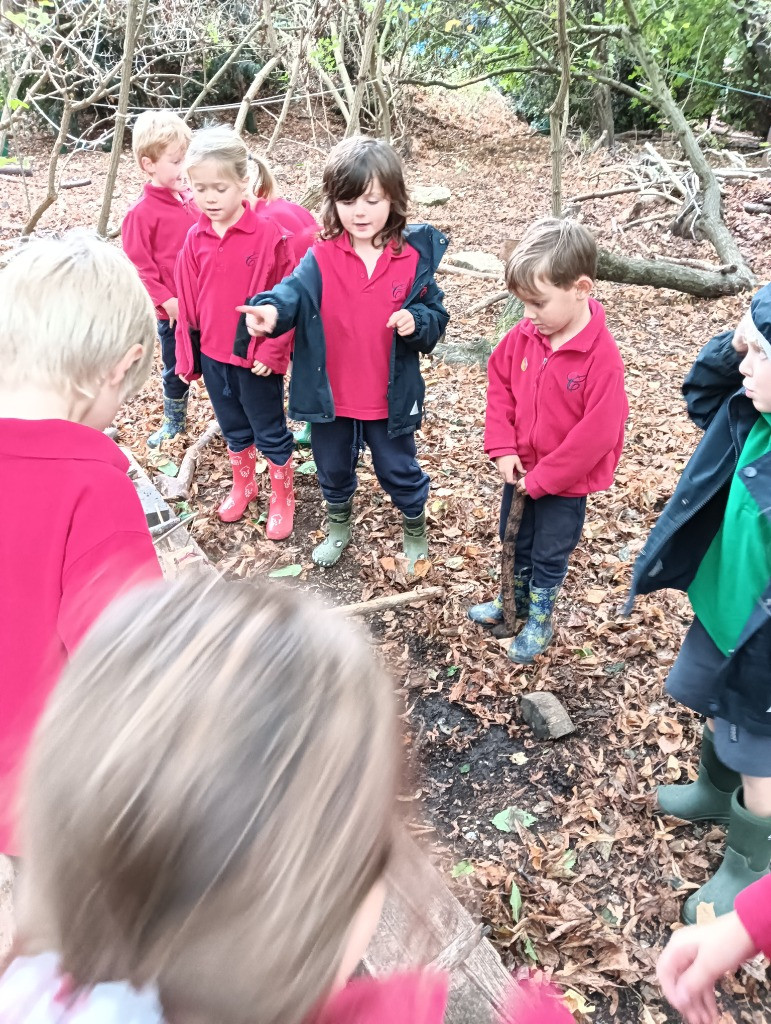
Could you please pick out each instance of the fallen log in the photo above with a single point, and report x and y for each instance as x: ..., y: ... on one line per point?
x: 613, y: 266
x: 14, y: 170
x: 449, y: 268
x: 491, y: 300
x: 377, y: 604
x: 76, y: 183
x: 177, y: 488
x: 758, y: 208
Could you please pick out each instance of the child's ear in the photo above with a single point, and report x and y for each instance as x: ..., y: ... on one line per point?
x: 584, y: 286
x: 146, y: 164
x: 121, y: 368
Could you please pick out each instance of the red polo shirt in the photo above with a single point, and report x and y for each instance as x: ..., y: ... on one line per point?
x: 153, y: 232
x: 214, y: 275
x: 74, y: 535
x: 355, y: 309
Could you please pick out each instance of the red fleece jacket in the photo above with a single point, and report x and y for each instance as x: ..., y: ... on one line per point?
x: 753, y: 906
x: 153, y: 231
x: 73, y: 536
x: 561, y: 412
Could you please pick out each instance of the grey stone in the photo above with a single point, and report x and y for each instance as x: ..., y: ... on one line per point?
x: 546, y: 715
x: 483, y: 262
x: 431, y: 195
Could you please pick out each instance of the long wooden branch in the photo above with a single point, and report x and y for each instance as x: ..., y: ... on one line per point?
x: 377, y: 604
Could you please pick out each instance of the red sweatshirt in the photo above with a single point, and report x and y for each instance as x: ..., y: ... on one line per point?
x: 562, y: 412
x: 292, y: 218
x: 214, y: 275
x: 753, y: 905
x: 420, y: 997
x: 153, y: 231
x: 73, y: 536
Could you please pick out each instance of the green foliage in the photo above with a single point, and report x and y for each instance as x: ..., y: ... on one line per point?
x: 695, y: 43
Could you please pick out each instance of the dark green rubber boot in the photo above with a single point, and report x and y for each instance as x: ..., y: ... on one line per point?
x: 415, y: 540
x: 707, y: 799
x: 338, y: 535
x: 747, y: 857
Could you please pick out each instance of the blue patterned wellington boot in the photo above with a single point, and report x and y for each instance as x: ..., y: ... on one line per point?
x: 174, y: 420
x: 490, y: 613
x: 537, y: 632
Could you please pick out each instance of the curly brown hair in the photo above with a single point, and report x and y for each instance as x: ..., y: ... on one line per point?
x: 350, y: 169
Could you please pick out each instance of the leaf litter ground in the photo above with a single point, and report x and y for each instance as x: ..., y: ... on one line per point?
x: 578, y: 874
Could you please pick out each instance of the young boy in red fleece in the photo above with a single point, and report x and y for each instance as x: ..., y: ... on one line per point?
x: 556, y: 409
x: 153, y: 231
x: 76, y: 339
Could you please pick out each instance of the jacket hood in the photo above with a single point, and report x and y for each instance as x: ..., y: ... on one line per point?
x: 430, y: 243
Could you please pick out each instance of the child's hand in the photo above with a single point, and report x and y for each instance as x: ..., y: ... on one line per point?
x: 172, y: 308
x: 403, y: 322
x: 510, y: 467
x: 521, y: 485
x: 261, y: 369
x: 260, y: 320
x: 695, y: 958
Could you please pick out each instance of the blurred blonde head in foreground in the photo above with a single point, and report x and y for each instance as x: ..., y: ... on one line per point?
x: 208, y: 806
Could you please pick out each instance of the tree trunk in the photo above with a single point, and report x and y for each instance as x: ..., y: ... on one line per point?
x: 707, y: 284
x: 51, y: 194
x: 129, y: 44
x: 711, y: 222
x: 367, y: 52
x: 559, y: 111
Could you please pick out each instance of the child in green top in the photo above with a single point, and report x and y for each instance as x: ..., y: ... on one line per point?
x: 713, y: 540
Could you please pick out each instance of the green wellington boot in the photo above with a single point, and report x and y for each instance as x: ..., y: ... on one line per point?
x: 535, y: 636
x: 415, y: 541
x: 707, y: 799
x: 338, y: 534
x: 490, y: 613
x: 302, y: 437
x: 747, y: 857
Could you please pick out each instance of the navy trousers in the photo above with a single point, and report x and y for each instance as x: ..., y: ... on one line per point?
x: 336, y: 447
x: 173, y: 386
x: 249, y: 409
x: 548, y: 534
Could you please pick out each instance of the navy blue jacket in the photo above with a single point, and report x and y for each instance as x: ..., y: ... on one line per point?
x: 298, y: 301
x: 680, y: 539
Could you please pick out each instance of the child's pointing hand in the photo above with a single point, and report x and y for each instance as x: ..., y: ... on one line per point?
x: 259, y: 319
x: 403, y: 322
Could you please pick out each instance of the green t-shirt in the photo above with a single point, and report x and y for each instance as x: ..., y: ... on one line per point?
x: 735, y: 570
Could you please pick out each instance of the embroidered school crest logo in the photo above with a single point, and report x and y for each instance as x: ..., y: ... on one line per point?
x: 251, y: 259
x: 523, y: 364
x: 399, y: 292
x: 423, y: 292
x: 575, y: 380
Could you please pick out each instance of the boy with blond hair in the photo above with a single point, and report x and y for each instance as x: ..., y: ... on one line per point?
x: 153, y: 231
x: 76, y: 339
x: 554, y: 427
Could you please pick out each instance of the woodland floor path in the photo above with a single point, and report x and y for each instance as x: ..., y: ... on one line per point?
x: 600, y: 876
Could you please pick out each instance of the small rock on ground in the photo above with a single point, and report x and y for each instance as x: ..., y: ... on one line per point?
x: 546, y: 715
x: 430, y: 195
x: 483, y: 262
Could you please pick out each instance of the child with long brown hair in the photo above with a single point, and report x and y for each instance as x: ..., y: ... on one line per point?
x: 364, y: 304
x: 205, y: 843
